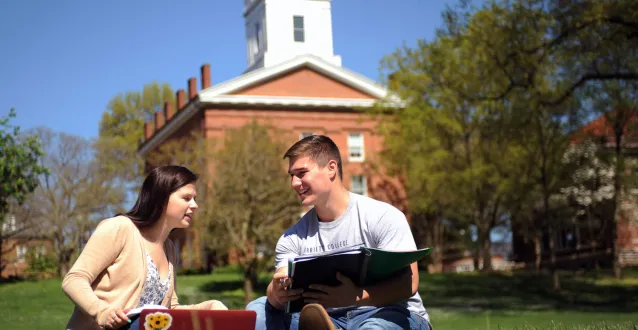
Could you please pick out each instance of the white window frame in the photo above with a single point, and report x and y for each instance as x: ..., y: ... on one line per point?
x: 364, y: 183
x: 9, y: 224
x: 353, y: 146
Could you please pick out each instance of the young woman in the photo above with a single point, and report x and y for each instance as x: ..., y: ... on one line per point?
x: 129, y: 261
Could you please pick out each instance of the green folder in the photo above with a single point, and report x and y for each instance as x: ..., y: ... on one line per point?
x: 364, y: 266
x: 381, y: 263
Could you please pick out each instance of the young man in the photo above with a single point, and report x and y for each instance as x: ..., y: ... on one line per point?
x: 339, y: 219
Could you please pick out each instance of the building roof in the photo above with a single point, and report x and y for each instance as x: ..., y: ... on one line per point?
x: 224, y: 93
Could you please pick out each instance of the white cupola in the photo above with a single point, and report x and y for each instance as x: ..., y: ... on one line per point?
x: 279, y: 30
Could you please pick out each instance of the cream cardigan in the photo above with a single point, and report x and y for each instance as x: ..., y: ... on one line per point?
x: 110, y: 274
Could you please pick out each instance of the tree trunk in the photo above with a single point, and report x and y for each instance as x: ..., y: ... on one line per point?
x: 64, y: 259
x: 477, y: 257
x: 2, y: 265
x: 437, y: 257
x: 250, y: 279
x: 486, y: 245
x: 552, y: 258
x: 620, y: 170
x: 537, y: 251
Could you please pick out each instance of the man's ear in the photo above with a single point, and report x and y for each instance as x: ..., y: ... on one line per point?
x: 333, y: 169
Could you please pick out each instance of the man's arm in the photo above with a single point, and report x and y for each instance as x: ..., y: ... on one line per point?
x: 277, y: 292
x: 272, y: 286
x: 392, y: 232
x: 397, y: 288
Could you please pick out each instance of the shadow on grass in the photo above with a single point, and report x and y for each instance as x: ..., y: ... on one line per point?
x: 16, y: 279
x: 475, y: 292
x: 524, y: 292
x: 232, y: 285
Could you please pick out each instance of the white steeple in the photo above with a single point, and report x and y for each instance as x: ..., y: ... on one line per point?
x: 278, y: 30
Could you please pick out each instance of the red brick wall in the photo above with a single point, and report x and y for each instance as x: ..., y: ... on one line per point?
x: 627, y: 235
x: 336, y: 125
x: 13, y: 265
x: 304, y: 83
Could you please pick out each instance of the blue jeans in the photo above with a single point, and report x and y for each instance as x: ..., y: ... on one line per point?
x: 390, y: 318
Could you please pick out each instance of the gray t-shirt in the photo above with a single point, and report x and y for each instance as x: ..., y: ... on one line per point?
x: 366, y: 222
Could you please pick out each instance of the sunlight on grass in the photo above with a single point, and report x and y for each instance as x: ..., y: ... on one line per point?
x: 454, y: 301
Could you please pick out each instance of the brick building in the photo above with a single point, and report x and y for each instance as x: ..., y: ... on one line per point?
x: 293, y: 82
x: 17, y: 247
x: 590, y: 242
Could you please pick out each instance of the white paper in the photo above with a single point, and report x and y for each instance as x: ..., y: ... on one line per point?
x: 138, y: 310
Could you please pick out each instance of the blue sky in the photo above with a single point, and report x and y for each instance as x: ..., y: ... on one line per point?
x: 62, y: 61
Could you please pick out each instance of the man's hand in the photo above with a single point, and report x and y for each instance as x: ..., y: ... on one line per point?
x: 280, y: 284
x: 115, y: 318
x: 344, y: 295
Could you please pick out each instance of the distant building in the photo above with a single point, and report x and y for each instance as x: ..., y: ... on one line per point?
x: 591, y: 243
x: 463, y: 261
x: 16, y: 247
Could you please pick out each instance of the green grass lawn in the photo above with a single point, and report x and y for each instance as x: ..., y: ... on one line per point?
x: 454, y: 301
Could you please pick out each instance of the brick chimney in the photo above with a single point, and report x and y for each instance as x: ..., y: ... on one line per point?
x: 205, y: 69
x: 192, y: 88
x: 168, y: 110
x: 148, y: 130
x: 159, y: 120
x: 181, y: 101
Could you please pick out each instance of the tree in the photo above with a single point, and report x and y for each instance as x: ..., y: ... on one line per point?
x: 122, y: 129
x: 456, y: 153
x: 590, y: 190
x: 252, y: 202
x: 72, y: 195
x: 575, y: 36
x: 549, y: 52
x: 20, y: 168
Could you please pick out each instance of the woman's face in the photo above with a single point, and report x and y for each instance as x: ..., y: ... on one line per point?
x: 181, y: 207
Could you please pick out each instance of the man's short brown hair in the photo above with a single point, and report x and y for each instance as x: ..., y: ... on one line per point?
x: 319, y: 148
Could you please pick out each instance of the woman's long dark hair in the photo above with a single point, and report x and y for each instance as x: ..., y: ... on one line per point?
x: 156, y: 189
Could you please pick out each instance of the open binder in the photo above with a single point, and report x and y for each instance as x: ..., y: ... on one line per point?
x: 363, y: 265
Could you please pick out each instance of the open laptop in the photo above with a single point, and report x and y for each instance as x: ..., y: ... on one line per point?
x: 180, y: 319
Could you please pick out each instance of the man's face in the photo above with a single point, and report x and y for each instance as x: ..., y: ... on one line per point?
x: 311, y: 182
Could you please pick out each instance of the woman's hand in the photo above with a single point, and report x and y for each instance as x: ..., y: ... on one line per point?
x: 214, y: 305
x: 115, y: 318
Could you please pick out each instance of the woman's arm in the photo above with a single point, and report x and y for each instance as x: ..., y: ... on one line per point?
x: 101, y: 250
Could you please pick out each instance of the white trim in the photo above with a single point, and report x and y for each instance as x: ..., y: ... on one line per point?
x: 169, y: 128
x: 338, y: 73
x: 286, y: 100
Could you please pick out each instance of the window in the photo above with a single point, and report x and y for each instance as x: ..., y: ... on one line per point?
x: 21, y: 252
x: 305, y: 134
x: 298, y: 27
x: 358, y: 185
x: 355, y: 147
x: 257, y: 38
x: 40, y: 251
x: 9, y: 224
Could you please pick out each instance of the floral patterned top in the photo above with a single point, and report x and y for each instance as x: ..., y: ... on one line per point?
x: 154, y: 288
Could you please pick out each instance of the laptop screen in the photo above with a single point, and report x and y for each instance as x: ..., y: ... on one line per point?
x: 180, y: 319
